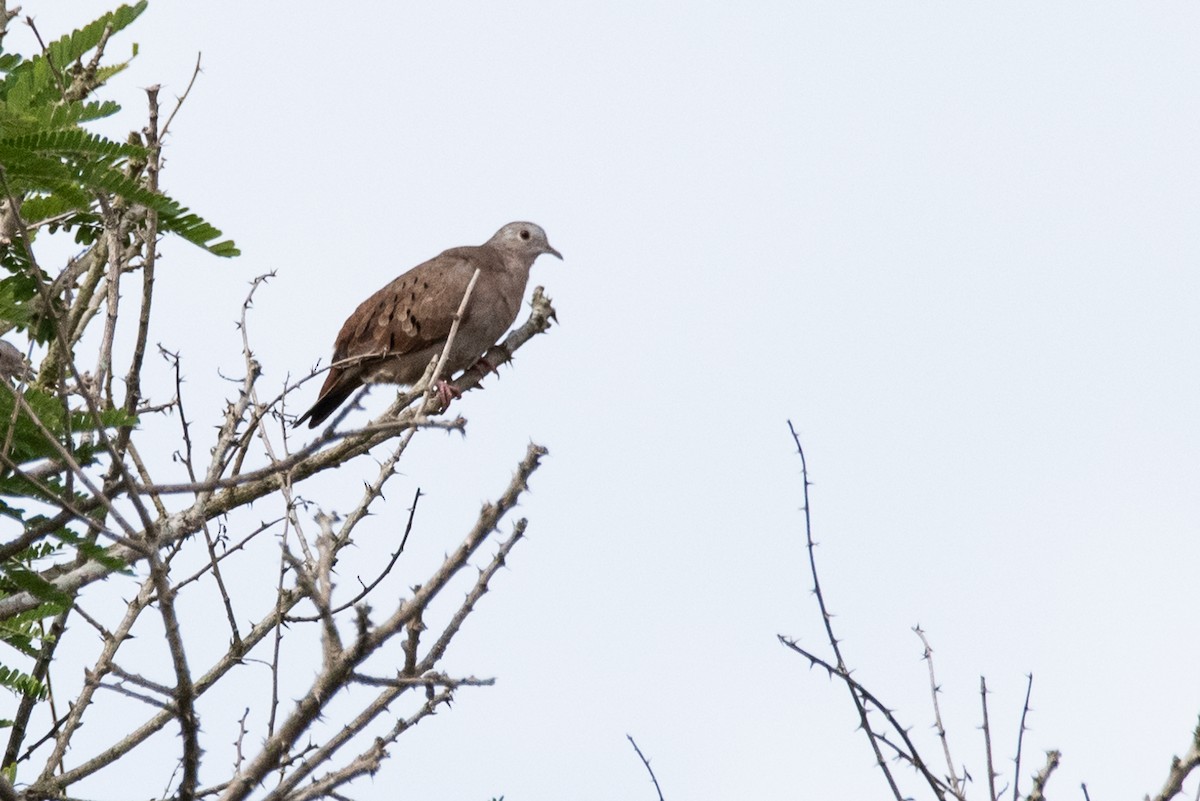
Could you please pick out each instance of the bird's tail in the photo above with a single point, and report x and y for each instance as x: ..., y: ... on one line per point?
x: 331, y: 398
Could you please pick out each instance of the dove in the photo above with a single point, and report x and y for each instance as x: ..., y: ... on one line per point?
x: 392, y: 335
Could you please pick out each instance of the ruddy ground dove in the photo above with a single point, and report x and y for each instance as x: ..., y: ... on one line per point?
x: 393, y: 335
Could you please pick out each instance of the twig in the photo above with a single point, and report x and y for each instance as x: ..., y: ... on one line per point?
x: 428, y: 680
x: 445, y: 355
x: 987, y: 741
x: 149, y: 700
x: 367, y: 588
x: 1020, y: 740
x: 911, y: 755
x: 55, y: 69
x: 956, y: 786
x: 239, y: 757
x: 226, y: 553
x: 179, y: 103
x: 827, y: 619
x: 646, y: 762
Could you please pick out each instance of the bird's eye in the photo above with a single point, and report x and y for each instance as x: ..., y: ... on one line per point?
x: 524, y: 233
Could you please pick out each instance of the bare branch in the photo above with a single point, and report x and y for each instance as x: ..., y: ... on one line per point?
x: 207, y: 506
x: 827, y: 619
x: 908, y: 753
x: 339, y: 671
x: 987, y: 741
x: 646, y: 762
x: 1181, y: 767
x: 956, y: 785
x: 185, y: 692
x: 1043, y: 776
x: 1021, y: 740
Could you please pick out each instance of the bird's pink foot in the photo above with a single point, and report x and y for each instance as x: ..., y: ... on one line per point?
x: 445, y: 392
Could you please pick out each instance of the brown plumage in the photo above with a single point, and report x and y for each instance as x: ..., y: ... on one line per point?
x: 393, y: 334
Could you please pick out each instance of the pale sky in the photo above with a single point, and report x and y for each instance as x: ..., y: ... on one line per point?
x: 955, y: 244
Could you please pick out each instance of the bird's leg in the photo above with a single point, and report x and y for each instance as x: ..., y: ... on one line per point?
x: 446, y: 392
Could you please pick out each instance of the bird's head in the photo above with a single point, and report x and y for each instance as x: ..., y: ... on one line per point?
x: 525, y: 238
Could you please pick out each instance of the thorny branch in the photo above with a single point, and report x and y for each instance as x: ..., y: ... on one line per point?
x: 1181, y: 768
x: 646, y: 762
x: 955, y: 784
x: 219, y: 496
x: 841, y: 669
x: 987, y: 741
x: 1043, y: 776
x: 903, y: 747
x: 1021, y: 739
x: 339, y: 670
x: 148, y: 527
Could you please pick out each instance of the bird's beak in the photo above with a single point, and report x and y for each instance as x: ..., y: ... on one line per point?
x: 554, y: 253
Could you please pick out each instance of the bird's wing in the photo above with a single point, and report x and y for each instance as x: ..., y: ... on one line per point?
x: 412, y: 312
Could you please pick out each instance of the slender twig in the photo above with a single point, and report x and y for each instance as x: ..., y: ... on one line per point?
x: 141, y: 681
x: 1021, y: 740
x: 909, y: 753
x: 387, y: 568
x: 956, y: 786
x: 646, y: 762
x: 445, y: 355
x: 239, y: 757
x: 987, y: 741
x: 55, y: 69
x: 149, y: 700
x: 226, y: 553
x: 179, y: 103
x: 281, y: 594
x: 428, y: 680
